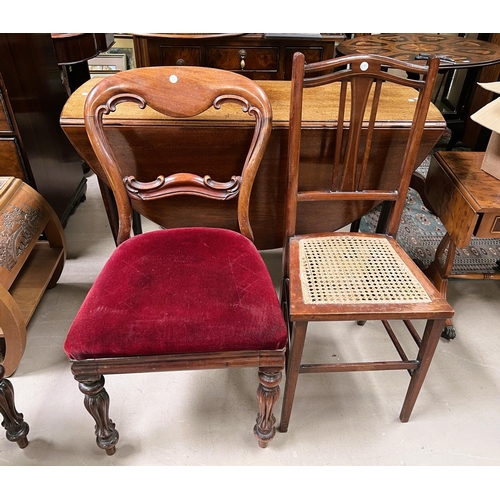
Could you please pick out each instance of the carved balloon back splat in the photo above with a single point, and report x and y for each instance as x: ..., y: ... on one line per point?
x: 177, y: 99
x: 181, y: 183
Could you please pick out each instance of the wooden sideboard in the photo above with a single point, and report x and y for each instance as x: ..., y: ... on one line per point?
x: 32, y: 145
x: 259, y: 56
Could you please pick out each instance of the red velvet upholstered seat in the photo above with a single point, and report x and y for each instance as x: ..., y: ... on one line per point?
x: 188, y: 297
x: 210, y: 286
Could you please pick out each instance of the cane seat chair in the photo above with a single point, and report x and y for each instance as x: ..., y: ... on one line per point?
x: 342, y: 274
x: 183, y: 298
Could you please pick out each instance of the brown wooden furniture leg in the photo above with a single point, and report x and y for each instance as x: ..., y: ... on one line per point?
x: 97, y: 403
x: 439, y: 271
x: 268, y: 394
x: 433, y: 331
x: 16, y: 429
x: 296, y: 347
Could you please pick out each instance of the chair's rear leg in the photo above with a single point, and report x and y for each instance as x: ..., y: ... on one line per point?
x: 430, y: 339
x: 296, y: 347
x: 284, y: 309
x: 16, y: 429
x: 97, y: 403
x: 268, y: 394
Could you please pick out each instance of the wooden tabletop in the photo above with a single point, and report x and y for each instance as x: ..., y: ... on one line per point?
x: 481, y: 189
x: 464, y: 52
x: 72, y: 48
x: 396, y: 108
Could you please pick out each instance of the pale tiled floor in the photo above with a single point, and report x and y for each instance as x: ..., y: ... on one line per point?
x: 206, y: 417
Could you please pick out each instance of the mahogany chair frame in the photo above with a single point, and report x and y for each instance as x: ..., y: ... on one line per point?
x: 352, y: 182
x: 180, y: 93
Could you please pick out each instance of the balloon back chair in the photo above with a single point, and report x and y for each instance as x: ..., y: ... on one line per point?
x: 183, y: 298
x: 344, y: 275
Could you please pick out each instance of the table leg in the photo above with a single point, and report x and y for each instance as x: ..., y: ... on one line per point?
x: 439, y: 271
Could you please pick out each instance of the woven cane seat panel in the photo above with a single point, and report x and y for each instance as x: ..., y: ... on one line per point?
x: 355, y: 270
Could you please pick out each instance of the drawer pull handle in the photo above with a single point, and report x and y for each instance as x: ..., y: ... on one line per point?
x: 180, y: 62
x: 242, y: 53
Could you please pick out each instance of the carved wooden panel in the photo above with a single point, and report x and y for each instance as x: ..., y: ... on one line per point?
x: 21, y: 223
x: 18, y: 228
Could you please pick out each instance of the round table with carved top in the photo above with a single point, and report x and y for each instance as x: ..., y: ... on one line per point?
x: 455, y: 52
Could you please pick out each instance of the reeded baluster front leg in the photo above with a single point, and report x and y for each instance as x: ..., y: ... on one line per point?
x: 16, y: 429
x: 97, y: 403
x: 268, y: 394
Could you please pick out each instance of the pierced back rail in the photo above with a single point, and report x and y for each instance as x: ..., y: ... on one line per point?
x: 355, y: 176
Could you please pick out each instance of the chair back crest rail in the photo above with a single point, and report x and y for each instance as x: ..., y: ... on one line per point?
x: 176, y: 92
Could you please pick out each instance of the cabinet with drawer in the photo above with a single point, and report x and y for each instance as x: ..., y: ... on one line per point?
x: 259, y: 56
x: 33, y: 147
x: 466, y: 199
x: 11, y: 159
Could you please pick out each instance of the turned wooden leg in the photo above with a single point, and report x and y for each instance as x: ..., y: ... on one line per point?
x: 268, y: 394
x: 97, y: 403
x: 16, y: 429
x: 430, y: 340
